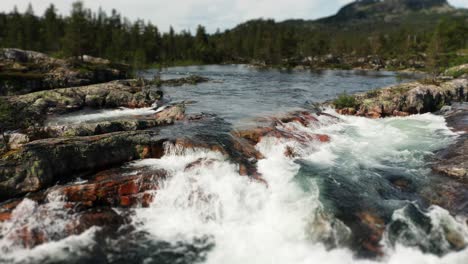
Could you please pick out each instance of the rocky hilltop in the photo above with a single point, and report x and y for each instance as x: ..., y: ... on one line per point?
x: 366, y: 9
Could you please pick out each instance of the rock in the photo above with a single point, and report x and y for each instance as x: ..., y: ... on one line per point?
x: 171, y: 114
x: 191, y: 80
x: 102, y: 217
x: 16, y: 140
x: 114, y: 188
x: 410, y: 98
x: 94, y: 60
x: 40, y: 164
x: 5, y: 216
x: 372, y: 228
x: 453, y: 161
x: 114, y: 94
x: 166, y: 116
x: 28, y: 71
x: 22, y: 56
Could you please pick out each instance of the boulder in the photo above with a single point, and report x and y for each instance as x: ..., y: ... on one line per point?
x: 42, y: 163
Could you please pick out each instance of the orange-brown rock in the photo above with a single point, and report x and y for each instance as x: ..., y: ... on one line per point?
x: 373, y: 227
x: 5, y: 216
x: 40, y: 164
x: 254, y: 135
x: 114, y: 188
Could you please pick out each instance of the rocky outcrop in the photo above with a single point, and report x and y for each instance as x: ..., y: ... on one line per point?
x: 42, y: 163
x: 24, y: 71
x: 128, y: 93
x: 166, y: 116
x: 371, y: 62
x: 404, y: 99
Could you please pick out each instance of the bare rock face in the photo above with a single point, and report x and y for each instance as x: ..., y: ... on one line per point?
x: 371, y: 8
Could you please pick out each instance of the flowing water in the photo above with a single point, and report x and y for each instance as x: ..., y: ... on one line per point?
x: 307, y: 211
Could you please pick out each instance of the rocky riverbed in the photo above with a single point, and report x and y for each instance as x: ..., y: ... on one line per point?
x: 100, y: 173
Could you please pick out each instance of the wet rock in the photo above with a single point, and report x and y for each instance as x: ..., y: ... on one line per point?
x: 191, y: 80
x: 414, y: 228
x: 371, y: 229
x: 101, y: 217
x: 290, y: 152
x: 198, y: 163
x: 172, y: 113
x: 42, y: 163
x: 166, y: 116
x: 453, y: 161
x: 329, y: 230
x: 5, y: 216
x: 253, y: 135
x: 115, y: 188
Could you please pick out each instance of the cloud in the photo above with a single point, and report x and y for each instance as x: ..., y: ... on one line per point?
x: 187, y: 14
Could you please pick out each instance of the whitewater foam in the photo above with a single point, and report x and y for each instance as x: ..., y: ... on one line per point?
x: 284, y: 222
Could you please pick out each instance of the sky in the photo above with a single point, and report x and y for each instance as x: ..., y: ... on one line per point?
x: 187, y: 14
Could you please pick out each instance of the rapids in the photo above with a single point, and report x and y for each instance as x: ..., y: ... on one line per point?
x: 376, y: 170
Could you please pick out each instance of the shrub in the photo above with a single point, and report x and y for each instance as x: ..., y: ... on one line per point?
x: 345, y: 101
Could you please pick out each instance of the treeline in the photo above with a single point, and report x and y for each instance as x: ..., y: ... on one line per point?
x: 140, y: 43
x: 103, y: 35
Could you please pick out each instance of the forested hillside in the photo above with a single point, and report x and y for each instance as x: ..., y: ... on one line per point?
x: 396, y: 29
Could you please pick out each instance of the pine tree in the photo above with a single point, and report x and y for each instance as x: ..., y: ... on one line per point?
x: 52, y: 30
x: 76, y: 34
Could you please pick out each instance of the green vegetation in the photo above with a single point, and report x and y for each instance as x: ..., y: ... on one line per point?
x: 456, y: 71
x: 345, y: 101
x: 437, y: 38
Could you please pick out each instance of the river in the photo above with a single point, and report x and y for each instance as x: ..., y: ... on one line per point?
x: 309, y: 210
